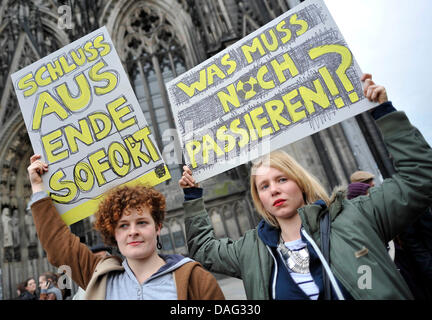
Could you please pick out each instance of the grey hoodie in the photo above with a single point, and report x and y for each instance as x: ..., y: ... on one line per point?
x: 123, y: 285
x: 55, y: 290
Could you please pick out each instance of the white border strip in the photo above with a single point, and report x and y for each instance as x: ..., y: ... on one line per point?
x: 275, y: 273
x: 325, y: 264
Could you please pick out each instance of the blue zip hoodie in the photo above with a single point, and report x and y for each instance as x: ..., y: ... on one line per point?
x: 283, y: 287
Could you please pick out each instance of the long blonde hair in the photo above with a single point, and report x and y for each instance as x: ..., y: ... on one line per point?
x: 312, y: 190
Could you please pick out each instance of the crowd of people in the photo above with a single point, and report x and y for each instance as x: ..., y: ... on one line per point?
x: 48, y: 288
x: 48, y: 283
x: 308, y: 245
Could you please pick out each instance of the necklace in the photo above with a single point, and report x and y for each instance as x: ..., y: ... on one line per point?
x: 296, y: 260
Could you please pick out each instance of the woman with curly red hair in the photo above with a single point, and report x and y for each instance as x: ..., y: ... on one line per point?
x: 130, y: 218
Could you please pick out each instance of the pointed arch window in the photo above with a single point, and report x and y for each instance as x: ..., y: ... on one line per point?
x: 154, y: 56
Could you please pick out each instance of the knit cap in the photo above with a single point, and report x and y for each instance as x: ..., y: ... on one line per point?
x: 357, y: 189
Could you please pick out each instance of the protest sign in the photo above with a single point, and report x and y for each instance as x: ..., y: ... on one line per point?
x: 287, y: 80
x: 83, y: 117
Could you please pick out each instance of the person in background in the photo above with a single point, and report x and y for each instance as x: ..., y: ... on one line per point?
x: 413, y: 256
x: 27, y: 290
x: 363, y: 177
x: 20, y: 289
x: 48, y: 287
x: 356, y: 189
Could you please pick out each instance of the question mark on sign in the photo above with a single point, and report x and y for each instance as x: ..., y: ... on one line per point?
x: 346, y: 60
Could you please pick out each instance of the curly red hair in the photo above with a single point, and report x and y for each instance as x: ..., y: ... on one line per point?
x: 119, y: 200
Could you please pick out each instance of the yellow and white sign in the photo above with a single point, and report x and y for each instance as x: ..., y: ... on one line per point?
x: 83, y: 117
x: 285, y: 81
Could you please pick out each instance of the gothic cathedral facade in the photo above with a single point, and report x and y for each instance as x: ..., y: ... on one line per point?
x: 157, y: 40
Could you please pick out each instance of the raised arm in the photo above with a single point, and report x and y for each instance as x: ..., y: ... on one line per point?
x: 61, y: 246
x: 223, y: 255
x: 399, y: 200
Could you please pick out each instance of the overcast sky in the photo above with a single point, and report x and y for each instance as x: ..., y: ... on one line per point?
x: 392, y: 40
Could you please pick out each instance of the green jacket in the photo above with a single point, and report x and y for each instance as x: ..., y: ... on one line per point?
x: 359, y: 227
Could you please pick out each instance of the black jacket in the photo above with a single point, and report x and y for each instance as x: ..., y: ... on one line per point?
x: 27, y: 296
x: 413, y: 256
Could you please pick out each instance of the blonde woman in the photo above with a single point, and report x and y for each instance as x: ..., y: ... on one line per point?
x: 309, y: 246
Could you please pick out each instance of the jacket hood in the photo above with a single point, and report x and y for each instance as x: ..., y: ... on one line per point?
x: 270, y: 235
x: 311, y: 214
x: 338, y: 191
x: 173, y: 262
